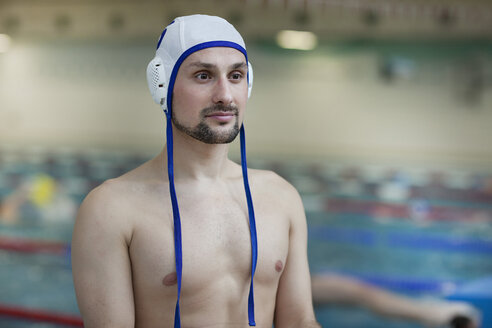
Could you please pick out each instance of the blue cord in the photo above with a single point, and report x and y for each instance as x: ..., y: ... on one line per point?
x: 177, y: 222
x: 252, y: 228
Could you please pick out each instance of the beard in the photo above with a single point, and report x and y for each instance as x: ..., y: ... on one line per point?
x: 204, y: 133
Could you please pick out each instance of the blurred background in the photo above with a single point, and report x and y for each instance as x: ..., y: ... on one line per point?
x: 378, y: 111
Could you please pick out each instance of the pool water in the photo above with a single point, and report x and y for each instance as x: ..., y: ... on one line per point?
x: 414, y: 239
x: 398, y: 255
x: 355, y: 245
x: 339, y: 316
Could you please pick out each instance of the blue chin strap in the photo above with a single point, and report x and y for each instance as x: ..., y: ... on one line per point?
x: 252, y: 228
x: 177, y: 221
x: 178, y: 249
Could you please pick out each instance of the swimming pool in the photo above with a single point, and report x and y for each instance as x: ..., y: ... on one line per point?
x: 417, y: 239
x: 419, y: 262
x: 347, y: 244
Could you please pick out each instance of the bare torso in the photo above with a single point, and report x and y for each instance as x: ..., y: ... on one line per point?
x: 216, y: 248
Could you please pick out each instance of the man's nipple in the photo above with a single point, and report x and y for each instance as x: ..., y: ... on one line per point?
x: 170, y: 279
x: 279, y: 266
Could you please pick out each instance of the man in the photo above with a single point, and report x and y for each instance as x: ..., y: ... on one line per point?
x: 150, y: 249
x: 337, y: 289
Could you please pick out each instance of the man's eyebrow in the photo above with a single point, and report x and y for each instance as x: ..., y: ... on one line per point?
x: 202, y: 65
x: 210, y: 66
x: 239, y: 65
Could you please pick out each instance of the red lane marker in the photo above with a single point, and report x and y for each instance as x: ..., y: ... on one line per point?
x: 40, y: 315
x: 32, y: 246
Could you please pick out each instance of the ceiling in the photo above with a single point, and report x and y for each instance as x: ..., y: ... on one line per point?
x: 256, y: 19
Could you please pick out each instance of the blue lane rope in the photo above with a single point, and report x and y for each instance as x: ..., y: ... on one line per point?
x: 252, y: 228
x: 415, y: 241
x: 176, y: 219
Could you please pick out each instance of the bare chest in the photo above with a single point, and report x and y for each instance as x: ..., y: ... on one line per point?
x: 216, y: 246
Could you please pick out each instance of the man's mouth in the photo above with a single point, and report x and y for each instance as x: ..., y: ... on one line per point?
x: 221, y: 116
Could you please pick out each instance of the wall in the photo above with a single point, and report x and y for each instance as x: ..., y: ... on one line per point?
x: 334, y: 102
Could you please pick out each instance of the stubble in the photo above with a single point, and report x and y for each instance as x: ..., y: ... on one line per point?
x: 204, y: 132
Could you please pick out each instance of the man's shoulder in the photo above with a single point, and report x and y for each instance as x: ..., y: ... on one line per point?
x: 268, y: 177
x: 103, y: 201
x: 108, y: 192
x: 115, y: 195
x: 272, y: 183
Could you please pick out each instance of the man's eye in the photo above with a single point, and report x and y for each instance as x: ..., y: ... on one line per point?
x: 202, y: 76
x: 236, y: 76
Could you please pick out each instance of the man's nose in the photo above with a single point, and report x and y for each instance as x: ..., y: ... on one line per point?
x: 222, y: 92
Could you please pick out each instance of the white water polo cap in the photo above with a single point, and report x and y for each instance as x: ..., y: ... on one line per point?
x: 184, y: 36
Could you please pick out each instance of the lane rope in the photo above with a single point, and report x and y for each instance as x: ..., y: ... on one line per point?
x: 417, y: 242
x: 24, y: 245
x: 40, y: 315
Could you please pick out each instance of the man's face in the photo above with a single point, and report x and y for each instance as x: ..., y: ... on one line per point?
x: 210, y: 95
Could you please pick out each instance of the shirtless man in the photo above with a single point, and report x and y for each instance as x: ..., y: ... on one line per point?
x: 123, y: 249
x: 331, y: 288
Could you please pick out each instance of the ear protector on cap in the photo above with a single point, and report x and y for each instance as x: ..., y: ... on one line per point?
x: 250, y: 79
x: 156, y: 80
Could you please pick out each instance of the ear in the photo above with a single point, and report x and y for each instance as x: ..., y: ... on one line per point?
x: 250, y: 79
x: 156, y: 80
